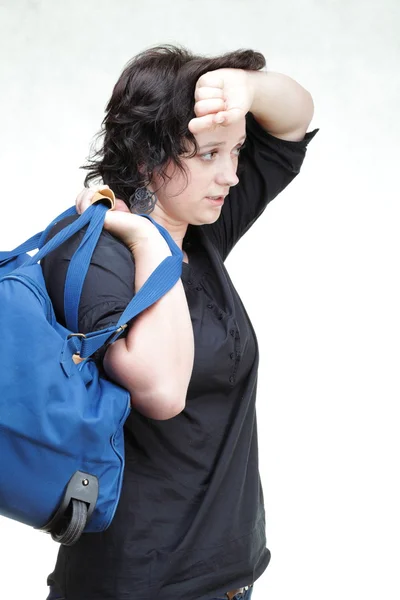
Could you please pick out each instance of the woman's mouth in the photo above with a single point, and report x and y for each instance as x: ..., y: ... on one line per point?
x: 216, y: 200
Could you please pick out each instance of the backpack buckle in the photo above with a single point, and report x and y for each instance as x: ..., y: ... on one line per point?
x: 116, y: 334
x: 76, y: 357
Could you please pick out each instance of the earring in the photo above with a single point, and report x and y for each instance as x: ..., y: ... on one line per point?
x: 142, y: 201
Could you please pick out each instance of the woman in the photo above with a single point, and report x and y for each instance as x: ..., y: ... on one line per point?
x: 203, y: 144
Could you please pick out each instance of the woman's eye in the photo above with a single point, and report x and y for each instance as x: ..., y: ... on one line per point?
x: 238, y: 150
x: 208, y: 154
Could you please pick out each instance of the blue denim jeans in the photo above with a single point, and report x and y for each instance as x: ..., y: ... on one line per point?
x: 244, y: 596
x: 55, y: 595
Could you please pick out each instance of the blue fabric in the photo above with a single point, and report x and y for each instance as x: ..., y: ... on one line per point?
x: 78, y: 269
x: 58, y: 417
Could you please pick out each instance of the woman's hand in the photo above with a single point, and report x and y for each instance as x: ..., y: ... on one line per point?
x: 222, y: 97
x: 131, y: 229
x: 84, y: 200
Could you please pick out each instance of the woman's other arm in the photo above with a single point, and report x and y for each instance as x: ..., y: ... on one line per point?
x: 280, y: 105
x: 154, y: 362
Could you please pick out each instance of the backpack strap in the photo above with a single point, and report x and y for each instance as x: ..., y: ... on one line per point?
x: 78, y: 268
x: 163, y: 278
x: 67, y: 232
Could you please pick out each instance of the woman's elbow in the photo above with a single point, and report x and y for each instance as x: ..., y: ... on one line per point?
x: 156, y: 393
x: 160, y: 405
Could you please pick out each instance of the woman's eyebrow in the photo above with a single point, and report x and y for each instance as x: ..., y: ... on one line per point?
x: 214, y: 144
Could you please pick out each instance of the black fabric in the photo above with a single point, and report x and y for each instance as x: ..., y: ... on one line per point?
x: 190, y: 524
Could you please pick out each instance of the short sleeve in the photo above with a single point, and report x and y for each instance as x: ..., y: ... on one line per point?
x: 266, y: 166
x: 109, y: 283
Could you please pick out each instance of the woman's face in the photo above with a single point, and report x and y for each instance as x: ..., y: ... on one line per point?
x: 211, y: 173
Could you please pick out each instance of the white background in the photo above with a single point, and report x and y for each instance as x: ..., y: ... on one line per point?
x: 318, y: 273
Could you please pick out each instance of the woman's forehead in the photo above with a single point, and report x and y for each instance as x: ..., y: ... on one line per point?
x: 228, y: 135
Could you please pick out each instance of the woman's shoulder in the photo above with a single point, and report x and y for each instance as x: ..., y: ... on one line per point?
x: 106, y: 238
x: 107, y: 243
x: 110, y: 252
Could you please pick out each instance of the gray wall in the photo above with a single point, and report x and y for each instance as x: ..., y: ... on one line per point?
x: 318, y: 273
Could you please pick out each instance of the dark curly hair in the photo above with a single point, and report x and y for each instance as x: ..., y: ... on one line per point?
x: 147, y: 116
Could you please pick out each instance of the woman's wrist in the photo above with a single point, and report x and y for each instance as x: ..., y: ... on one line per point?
x: 148, y: 250
x: 148, y: 239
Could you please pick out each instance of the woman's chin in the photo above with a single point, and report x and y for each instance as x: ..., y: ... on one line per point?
x: 208, y: 218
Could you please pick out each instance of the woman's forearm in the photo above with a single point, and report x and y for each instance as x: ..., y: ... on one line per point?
x: 154, y: 362
x: 280, y: 104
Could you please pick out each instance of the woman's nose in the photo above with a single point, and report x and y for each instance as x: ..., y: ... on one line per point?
x: 227, y: 176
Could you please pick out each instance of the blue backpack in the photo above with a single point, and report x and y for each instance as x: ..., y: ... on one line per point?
x: 61, y: 422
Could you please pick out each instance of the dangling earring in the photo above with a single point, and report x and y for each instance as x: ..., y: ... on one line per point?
x: 142, y: 201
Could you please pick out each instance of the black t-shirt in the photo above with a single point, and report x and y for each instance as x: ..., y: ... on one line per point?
x: 190, y: 522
